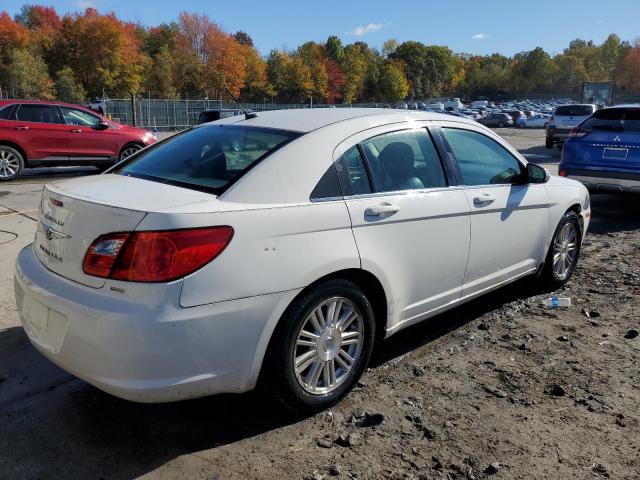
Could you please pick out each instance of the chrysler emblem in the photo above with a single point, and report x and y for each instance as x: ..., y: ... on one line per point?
x: 52, y: 234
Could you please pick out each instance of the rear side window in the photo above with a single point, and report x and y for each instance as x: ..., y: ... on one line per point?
x: 354, y: 178
x: 574, y: 110
x: 207, y: 158
x: 482, y: 160
x: 38, y: 114
x: 5, y: 112
x: 405, y: 160
x: 615, y: 120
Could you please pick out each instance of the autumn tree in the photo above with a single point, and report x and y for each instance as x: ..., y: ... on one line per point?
x: 12, y: 35
x: 393, y: 84
x: 103, y: 51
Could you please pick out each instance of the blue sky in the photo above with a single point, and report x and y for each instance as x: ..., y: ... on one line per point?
x: 470, y: 26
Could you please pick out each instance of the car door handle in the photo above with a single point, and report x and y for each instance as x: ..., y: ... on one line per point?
x: 380, y: 210
x: 22, y: 127
x: 76, y: 131
x: 484, y: 199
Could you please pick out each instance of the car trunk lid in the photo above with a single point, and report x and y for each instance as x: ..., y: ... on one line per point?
x: 74, y: 213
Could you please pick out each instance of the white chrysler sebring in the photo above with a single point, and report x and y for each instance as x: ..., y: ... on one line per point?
x: 279, y: 247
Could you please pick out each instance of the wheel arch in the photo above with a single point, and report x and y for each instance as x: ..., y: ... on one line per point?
x: 16, y: 147
x: 367, y: 281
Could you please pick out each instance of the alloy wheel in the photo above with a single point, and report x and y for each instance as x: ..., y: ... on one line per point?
x: 9, y: 164
x: 130, y: 150
x: 565, y: 249
x: 328, y: 345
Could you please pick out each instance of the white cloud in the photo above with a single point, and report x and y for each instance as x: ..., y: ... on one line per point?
x: 364, y: 29
x: 84, y: 4
x: 479, y: 36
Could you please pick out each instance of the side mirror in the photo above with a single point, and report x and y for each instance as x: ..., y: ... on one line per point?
x: 537, y: 174
x: 103, y: 125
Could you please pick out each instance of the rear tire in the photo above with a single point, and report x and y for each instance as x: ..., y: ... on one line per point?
x: 11, y: 163
x: 548, y: 144
x: 321, y: 347
x: 564, y: 252
x: 500, y: 124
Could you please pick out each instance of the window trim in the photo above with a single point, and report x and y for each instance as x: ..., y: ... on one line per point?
x: 10, y: 107
x: 425, y: 128
x: 54, y: 108
x: 523, y: 166
x: 61, y: 113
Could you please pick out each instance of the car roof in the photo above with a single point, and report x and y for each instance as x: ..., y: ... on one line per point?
x: 307, y: 120
x: 40, y: 102
x: 624, y: 105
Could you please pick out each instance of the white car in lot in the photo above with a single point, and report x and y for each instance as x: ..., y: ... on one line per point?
x: 280, y: 247
x: 539, y: 120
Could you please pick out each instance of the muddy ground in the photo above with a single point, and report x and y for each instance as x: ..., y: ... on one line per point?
x: 499, y: 388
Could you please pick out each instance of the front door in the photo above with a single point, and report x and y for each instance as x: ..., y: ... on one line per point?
x: 509, y: 217
x: 86, y: 139
x: 411, y: 228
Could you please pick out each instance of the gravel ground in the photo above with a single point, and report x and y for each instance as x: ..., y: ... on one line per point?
x: 498, y: 388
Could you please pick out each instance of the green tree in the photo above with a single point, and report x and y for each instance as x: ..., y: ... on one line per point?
x: 393, y: 84
x: 28, y: 75
x: 161, y: 74
x: 334, y: 49
x: 67, y: 88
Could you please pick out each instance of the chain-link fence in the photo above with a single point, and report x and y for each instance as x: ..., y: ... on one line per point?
x: 179, y: 114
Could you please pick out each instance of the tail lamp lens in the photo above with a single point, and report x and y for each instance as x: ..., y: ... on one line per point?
x: 155, y: 256
x: 577, y: 133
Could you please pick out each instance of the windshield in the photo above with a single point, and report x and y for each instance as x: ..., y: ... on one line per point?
x: 574, y: 110
x: 208, y: 158
x: 614, y: 119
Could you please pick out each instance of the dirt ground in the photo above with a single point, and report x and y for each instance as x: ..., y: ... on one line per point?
x: 498, y: 388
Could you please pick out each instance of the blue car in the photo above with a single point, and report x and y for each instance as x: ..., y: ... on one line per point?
x: 603, y: 152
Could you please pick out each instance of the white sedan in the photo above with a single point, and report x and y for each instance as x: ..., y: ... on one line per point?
x: 539, y: 120
x: 280, y: 247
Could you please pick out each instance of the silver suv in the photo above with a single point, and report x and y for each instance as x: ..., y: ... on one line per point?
x: 564, y: 118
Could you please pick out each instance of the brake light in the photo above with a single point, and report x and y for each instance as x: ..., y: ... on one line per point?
x: 155, y: 256
x: 577, y: 133
x: 552, y: 122
x: 562, y: 173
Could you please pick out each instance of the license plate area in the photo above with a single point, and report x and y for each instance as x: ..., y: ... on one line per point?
x: 613, y: 153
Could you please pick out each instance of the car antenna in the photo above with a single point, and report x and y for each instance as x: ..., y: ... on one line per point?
x: 247, y: 115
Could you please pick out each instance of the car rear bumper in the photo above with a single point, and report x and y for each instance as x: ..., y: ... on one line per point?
x: 558, y: 134
x: 605, y: 181
x: 141, y: 352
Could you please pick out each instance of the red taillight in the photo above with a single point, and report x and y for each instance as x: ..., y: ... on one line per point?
x: 562, y: 173
x: 102, y: 254
x: 578, y: 133
x: 158, y: 256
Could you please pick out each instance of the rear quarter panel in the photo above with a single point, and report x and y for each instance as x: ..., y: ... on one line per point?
x: 274, y: 248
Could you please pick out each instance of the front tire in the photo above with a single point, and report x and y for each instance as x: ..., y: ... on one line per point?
x: 564, y: 252
x: 321, y: 347
x: 11, y: 163
x: 129, y: 150
x: 500, y: 124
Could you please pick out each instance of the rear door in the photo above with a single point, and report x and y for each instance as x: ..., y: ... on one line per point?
x: 41, y: 130
x: 411, y: 227
x: 509, y: 218
x: 86, y: 139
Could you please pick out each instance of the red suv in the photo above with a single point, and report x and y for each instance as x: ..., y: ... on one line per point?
x: 36, y: 133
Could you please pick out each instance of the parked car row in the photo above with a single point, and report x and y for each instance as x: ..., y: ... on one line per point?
x: 38, y: 133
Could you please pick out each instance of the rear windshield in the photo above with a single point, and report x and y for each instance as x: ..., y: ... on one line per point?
x: 207, y: 158
x: 574, y: 110
x: 614, y: 119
